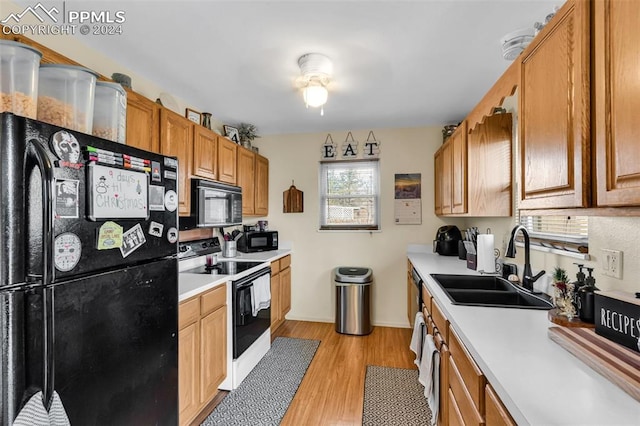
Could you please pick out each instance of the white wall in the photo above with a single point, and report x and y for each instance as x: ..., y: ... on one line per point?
x: 316, y: 254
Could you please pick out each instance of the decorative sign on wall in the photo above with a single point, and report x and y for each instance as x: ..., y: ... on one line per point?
x: 329, y: 149
x: 408, y: 199
x: 350, y: 149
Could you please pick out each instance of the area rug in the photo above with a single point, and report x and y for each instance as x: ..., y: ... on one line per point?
x: 264, y: 396
x: 393, y: 396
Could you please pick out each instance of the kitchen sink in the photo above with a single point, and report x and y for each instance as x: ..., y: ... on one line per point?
x: 489, y: 291
x: 472, y: 282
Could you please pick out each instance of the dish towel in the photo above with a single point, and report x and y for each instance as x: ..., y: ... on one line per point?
x: 429, y: 375
x: 417, y: 338
x: 261, y: 294
x: 34, y: 412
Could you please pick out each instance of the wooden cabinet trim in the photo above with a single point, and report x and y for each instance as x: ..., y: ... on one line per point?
x: 455, y: 415
x: 426, y: 298
x: 213, y: 353
x: 285, y: 261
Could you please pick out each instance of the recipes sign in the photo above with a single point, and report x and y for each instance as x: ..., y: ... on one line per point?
x: 117, y: 193
x: 618, y: 318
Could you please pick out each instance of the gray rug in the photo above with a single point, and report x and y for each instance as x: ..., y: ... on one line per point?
x: 393, y: 396
x: 264, y: 396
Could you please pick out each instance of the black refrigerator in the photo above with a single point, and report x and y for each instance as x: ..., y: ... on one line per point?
x: 89, y: 273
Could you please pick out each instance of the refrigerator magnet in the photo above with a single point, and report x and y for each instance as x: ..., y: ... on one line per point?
x: 172, y: 163
x: 67, y: 251
x: 110, y: 236
x: 155, y: 229
x: 171, y: 200
x: 155, y: 171
x: 65, y: 146
x: 156, y: 198
x: 172, y: 235
x: 132, y: 240
x: 66, y: 199
x: 168, y: 174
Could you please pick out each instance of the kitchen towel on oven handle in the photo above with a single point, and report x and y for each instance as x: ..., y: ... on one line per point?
x: 261, y: 293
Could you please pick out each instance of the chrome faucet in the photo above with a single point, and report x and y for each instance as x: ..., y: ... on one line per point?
x: 527, y: 278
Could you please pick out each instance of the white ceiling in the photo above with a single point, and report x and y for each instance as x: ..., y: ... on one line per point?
x: 396, y: 63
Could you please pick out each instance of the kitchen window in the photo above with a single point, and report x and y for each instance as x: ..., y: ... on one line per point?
x: 350, y: 195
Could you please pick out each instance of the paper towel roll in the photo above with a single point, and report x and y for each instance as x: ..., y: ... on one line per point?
x: 486, y: 259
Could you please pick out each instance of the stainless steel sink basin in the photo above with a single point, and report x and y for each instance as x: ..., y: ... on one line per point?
x: 489, y: 291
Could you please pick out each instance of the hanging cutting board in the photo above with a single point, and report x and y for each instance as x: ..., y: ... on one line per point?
x: 292, y: 200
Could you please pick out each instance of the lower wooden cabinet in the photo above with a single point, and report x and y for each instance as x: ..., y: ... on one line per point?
x: 202, y: 350
x: 280, y: 290
x: 466, y: 398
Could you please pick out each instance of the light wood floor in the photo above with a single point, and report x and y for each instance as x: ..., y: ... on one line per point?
x: 332, y: 391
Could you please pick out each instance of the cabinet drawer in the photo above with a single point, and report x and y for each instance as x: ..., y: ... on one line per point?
x: 285, y: 262
x: 464, y: 402
x: 213, y: 299
x: 426, y: 298
x: 275, y: 267
x: 496, y: 413
x: 431, y: 326
x: 188, y: 312
x: 440, y: 320
x: 470, y: 373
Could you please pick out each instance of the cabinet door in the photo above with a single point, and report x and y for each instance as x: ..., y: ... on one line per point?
x: 446, y: 176
x: 213, y: 353
x: 205, y: 153
x: 459, y: 169
x: 437, y: 169
x: 489, y: 178
x: 143, y: 122
x: 262, y: 186
x: 285, y: 291
x: 246, y: 179
x: 617, y: 101
x: 276, y: 315
x: 189, y: 372
x: 176, y: 139
x: 554, y: 113
x: 495, y: 413
x: 227, y: 151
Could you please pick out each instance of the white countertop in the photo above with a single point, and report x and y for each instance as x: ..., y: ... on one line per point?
x: 538, y: 381
x: 190, y: 285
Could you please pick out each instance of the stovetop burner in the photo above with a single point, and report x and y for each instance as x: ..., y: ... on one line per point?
x: 224, y: 268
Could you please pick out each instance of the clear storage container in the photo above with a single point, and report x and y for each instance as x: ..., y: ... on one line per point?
x: 65, y: 96
x: 19, y: 65
x: 110, y: 112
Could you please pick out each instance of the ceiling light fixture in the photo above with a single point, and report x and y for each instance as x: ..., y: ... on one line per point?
x: 315, y: 74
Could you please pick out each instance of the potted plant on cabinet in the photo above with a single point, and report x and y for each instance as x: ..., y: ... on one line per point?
x: 247, y: 133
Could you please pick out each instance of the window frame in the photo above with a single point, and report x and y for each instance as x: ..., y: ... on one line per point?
x: 323, y: 197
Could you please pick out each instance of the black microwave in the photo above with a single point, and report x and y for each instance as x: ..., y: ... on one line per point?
x: 255, y: 241
x: 213, y: 204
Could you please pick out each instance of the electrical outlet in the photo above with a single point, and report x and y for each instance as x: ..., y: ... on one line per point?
x: 612, y: 263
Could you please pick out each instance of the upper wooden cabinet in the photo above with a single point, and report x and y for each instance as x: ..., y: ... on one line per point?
x: 450, y: 165
x: 262, y: 186
x: 205, y: 153
x: 143, y: 118
x: 554, y: 113
x: 489, y: 167
x: 459, y: 169
x: 176, y: 139
x: 227, y: 154
x: 616, y: 35
x: 246, y: 179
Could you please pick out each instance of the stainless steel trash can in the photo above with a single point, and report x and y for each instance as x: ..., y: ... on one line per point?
x: 353, y: 299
